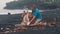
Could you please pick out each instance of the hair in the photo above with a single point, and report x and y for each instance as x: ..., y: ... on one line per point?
x: 34, y: 6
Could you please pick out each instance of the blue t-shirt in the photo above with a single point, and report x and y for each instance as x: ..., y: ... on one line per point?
x: 37, y: 14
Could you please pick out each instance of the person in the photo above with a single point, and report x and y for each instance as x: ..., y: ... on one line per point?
x: 37, y: 15
x: 26, y: 19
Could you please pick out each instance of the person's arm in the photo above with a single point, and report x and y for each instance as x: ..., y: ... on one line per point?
x: 34, y: 16
x: 24, y: 18
x: 32, y: 19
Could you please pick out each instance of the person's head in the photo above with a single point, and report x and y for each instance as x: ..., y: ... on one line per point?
x: 33, y: 7
x: 26, y: 12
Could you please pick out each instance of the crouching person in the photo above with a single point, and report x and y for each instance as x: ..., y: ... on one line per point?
x: 37, y: 15
x: 26, y: 19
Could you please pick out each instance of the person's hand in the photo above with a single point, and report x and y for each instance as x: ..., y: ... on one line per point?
x: 28, y: 23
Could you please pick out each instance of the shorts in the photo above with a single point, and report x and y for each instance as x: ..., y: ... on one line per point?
x: 38, y: 20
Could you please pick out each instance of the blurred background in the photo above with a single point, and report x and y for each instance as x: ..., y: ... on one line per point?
x: 41, y: 4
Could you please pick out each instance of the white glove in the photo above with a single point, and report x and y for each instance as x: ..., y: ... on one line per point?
x: 40, y: 23
x: 28, y: 23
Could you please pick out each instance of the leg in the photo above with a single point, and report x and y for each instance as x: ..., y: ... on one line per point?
x: 37, y: 22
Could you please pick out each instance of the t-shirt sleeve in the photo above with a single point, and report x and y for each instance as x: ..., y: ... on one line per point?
x: 35, y: 14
